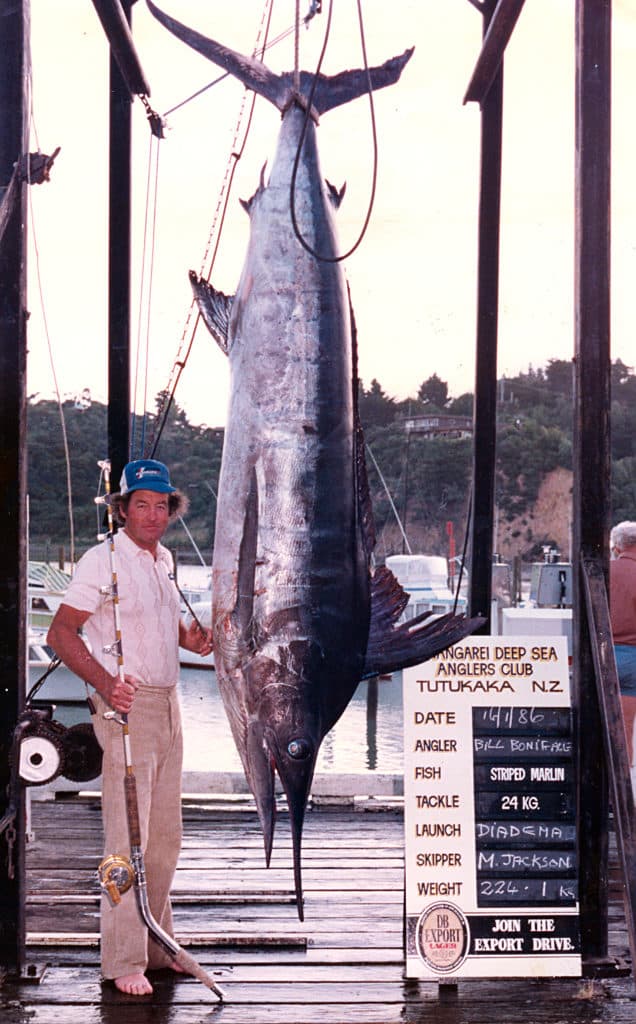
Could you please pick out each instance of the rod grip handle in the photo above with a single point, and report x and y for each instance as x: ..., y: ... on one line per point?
x: 132, y: 809
x: 189, y: 964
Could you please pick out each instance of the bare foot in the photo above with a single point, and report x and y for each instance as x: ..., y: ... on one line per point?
x: 134, y: 985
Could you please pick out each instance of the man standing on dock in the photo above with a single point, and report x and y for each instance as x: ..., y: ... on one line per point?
x: 151, y: 633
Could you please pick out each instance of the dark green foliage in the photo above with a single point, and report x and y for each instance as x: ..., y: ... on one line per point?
x: 48, y: 491
x: 526, y: 451
x: 624, y: 489
x: 462, y: 406
x: 434, y: 391
x: 428, y: 478
x: 192, y: 453
x: 376, y: 408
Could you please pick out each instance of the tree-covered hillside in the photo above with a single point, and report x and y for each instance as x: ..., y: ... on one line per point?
x: 192, y: 453
x: 425, y: 481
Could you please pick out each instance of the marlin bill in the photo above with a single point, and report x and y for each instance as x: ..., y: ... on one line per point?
x: 299, y: 616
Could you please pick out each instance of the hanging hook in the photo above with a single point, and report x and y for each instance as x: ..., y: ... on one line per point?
x: 315, y: 7
x: 155, y: 120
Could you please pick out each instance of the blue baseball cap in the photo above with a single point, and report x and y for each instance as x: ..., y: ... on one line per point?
x: 146, y: 475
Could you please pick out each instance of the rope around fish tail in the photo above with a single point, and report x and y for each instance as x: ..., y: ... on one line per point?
x: 174, y: 950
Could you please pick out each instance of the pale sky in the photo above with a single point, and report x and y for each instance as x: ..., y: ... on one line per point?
x: 413, y: 279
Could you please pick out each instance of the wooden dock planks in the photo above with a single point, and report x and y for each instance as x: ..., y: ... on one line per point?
x: 342, y: 964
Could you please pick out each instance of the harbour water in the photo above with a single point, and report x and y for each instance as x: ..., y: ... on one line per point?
x: 367, y: 738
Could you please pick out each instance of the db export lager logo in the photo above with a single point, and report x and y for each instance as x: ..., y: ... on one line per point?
x: 442, y: 936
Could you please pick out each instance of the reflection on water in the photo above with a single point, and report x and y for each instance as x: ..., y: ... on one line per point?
x: 367, y: 738
x: 372, y: 724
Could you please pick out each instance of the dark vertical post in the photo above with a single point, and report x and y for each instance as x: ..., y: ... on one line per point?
x: 119, y: 268
x: 591, y: 439
x: 485, y: 411
x: 13, y: 551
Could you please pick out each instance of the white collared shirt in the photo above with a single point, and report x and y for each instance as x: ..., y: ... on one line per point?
x: 149, y: 609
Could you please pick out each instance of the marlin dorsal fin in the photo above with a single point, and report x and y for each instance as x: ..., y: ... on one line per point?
x: 393, y: 645
x: 215, y: 308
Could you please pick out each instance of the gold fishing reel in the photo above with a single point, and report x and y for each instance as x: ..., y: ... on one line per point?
x: 116, y: 875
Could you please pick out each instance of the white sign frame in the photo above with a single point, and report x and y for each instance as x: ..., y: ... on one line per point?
x: 490, y: 816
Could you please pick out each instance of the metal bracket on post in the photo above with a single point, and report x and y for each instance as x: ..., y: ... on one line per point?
x: 30, y: 974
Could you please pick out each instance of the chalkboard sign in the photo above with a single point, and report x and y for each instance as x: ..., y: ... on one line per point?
x: 506, y: 721
x: 490, y: 812
x: 540, y: 806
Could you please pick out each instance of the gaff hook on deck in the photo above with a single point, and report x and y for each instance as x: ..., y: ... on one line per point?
x: 108, y: 882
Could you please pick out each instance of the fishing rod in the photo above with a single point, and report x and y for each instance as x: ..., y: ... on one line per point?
x: 174, y: 578
x: 115, y: 872
x: 190, y: 608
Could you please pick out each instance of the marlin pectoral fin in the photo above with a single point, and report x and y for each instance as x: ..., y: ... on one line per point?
x: 215, y: 308
x: 261, y: 780
x: 244, y: 607
x: 393, y: 646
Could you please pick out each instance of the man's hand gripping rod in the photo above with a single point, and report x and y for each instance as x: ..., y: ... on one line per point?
x: 179, y: 955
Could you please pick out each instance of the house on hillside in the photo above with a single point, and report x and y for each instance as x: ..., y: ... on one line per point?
x: 439, y: 426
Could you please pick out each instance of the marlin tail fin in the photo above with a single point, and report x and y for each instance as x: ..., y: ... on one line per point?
x: 329, y: 92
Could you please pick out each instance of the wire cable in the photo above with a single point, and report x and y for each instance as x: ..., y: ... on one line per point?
x: 292, y: 189
x: 145, y: 293
x: 214, y: 237
x: 67, y: 455
x: 226, y: 74
x: 464, y: 550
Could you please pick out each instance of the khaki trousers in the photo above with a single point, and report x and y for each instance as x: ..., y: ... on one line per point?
x: 156, y: 744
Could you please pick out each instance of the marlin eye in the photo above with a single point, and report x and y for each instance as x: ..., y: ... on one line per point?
x: 298, y: 749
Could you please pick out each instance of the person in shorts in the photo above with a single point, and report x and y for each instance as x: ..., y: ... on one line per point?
x: 623, y: 620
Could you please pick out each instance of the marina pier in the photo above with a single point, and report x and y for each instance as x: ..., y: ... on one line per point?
x: 344, y: 963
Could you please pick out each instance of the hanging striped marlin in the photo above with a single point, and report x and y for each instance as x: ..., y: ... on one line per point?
x: 298, y: 616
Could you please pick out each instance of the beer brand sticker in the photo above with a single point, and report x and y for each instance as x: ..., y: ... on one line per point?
x: 442, y: 937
